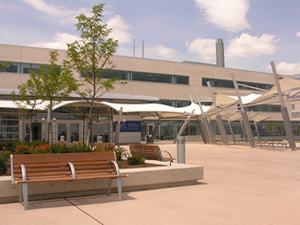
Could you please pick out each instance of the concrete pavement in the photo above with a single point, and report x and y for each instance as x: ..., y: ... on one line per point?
x: 241, y: 185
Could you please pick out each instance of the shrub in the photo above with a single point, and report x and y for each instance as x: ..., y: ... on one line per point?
x: 3, y: 160
x: 57, y: 148
x: 9, y: 145
x: 135, y: 160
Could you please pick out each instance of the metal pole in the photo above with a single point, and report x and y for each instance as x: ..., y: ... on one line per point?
x: 243, y: 130
x: 155, y: 131
x: 258, y: 136
x: 244, y: 114
x: 202, y: 130
x: 181, y: 149
x: 231, y: 131
x: 205, y: 123
x: 118, y: 127
x: 284, y: 112
x: 218, y: 117
x: 143, y: 49
x: 183, y: 126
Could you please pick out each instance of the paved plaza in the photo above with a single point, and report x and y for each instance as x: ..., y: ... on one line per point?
x: 241, y: 185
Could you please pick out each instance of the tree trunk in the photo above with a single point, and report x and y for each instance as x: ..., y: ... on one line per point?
x: 89, y: 127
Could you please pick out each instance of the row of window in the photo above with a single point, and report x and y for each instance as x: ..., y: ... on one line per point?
x: 146, y: 77
x: 229, y: 84
x: 264, y: 108
x: 23, y: 68
x: 124, y: 75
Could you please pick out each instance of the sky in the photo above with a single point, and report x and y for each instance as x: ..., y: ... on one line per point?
x: 254, y: 32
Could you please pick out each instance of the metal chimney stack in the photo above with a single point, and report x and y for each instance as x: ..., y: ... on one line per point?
x: 220, y: 53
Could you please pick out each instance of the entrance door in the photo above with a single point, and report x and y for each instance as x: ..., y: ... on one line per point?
x: 61, y: 131
x: 68, y: 131
x: 36, y: 131
x: 74, y: 132
x: 101, y: 129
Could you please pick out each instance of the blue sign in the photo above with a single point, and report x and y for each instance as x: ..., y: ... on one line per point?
x: 130, y: 126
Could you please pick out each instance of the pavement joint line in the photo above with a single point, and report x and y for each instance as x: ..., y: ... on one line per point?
x: 83, y: 211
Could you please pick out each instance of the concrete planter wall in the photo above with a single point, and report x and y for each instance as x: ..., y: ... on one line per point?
x: 139, y: 179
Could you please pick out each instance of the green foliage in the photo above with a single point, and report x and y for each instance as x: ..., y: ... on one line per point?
x: 4, y: 157
x: 273, y: 127
x: 90, y: 56
x: 3, y: 65
x: 9, y: 145
x: 101, y: 149
x: 135, y: 160
x: 57, y: 82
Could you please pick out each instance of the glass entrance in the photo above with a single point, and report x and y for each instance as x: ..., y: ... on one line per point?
x: 101, y: 131
x: 38, y: 131
x: 150, y: 129
x: 68, y: 132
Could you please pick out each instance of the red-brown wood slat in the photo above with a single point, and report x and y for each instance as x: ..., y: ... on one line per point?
x: 63, y: 157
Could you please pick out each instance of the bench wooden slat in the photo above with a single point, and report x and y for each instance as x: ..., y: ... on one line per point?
x: 92, y: 163
x: 95, y: 171
x: 36, y: 170
x: 41, y: 165
x: 62, y: 157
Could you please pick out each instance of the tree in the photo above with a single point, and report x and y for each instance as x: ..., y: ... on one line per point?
x: 3, y: 65
x: 30, y: 96
x: 91, y: 55
x: 49, y: 85
x: 273, y: 127
x: 57, y: 82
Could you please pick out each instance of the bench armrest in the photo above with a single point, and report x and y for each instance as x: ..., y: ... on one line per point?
x: 117, y: 167
x: 170, y: 156
x: 72, y: 169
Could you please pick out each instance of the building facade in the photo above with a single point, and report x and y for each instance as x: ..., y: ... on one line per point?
x: 149, y: 80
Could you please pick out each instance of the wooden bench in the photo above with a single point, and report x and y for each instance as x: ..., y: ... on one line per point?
x: 34, y: 168
x: 277, y: 143
x: 216, y: 141
x: 150, y: 152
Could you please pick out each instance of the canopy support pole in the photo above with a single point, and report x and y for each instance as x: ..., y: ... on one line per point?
x: 203, y: 123
x: 231, y: 131
x: 202, y: 130
x: 244, y: 114
x: 243, y: 130
x: 258, y: 136
x: 155, y: 131
x: 218, y: 117
x: 118, y: 127
x: 284, y: 112
x: 184, y: 126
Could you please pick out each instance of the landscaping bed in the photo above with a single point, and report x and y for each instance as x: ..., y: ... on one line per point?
x: 37, y: 147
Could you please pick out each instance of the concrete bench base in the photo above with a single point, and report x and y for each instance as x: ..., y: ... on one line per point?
x: 139, y: 179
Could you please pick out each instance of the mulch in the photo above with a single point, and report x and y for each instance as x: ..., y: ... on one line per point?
x: 124, y: 165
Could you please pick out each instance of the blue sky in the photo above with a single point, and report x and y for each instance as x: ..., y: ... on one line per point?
x: 254, y: 32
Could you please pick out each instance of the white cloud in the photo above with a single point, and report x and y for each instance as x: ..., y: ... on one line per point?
x: 61, y: 14
x: 287, y: 68
x: 229, y: 15
x: 161, y: 52
x: 248, y: 46
x: 206, y: 48
x: 59, y: 41
x: 120, y: 29
x: 298, y: 34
